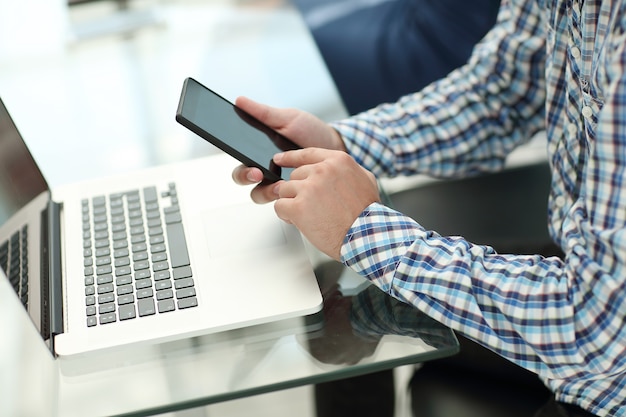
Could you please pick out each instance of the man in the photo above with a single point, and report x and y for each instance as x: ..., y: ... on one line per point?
x: 557, y: 65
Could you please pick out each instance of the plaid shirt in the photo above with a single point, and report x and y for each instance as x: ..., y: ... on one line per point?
x: 558, y: 65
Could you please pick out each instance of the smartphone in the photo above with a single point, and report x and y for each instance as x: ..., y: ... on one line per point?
x: 234, y: 131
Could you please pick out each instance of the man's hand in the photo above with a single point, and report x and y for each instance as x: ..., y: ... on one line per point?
x: 327, y: 191
x: 340, y: 344
x: 300, y: 127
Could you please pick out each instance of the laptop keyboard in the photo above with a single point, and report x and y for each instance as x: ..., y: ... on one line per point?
x: 14, y: 262
x: 135, y: 256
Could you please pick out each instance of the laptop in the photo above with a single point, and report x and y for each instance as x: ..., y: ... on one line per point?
x: 164, y: 253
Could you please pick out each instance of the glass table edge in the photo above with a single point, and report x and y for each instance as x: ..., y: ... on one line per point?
x: 353, y: 371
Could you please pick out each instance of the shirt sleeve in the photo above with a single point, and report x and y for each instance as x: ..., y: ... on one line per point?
x: 467, y: 122
x: 506, y: 302
x: 502, y: 301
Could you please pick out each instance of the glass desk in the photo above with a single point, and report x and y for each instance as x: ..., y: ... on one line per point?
x: 360, y: 330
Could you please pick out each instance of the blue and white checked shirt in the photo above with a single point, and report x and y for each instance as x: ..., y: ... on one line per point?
x: 558, y: 65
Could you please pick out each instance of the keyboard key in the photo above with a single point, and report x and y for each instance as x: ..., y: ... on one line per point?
x: 122, y: 262
x: 185, y: 293
x: 163, y: 285
x: 187, y: 302
x: 142, y: 274
x: 106, y: 298
x: 120, y: 244
x: 133, y: 214
x: 154, y: 220
x: 182, y: 272
x: 138, y: 230
x: 133, y: 201
x: 143, y: 283
x: 127, y: 311
x: 105, y: 288
x: 145, y: 293
x: 155, y: 231
x: 162, y: 295
x: 137, y: 239
x: 141, y: 265
x: 159, y: 257
x: 124, y: 270
x: 173, y: 218
x: 177, y: 243
x: 157, y: 248
x: 125, y: 290
x: 160, y: 266
x: 101, y: 244
x: 107, y: 318
x: 118, y: 219
x: 120, y: 253
x: 105, y: 260
x: 101, y: 235
x: 105, y: 279
x: 150, y: 194
x: 139, y: 247
x: 166, y: 306
x: 183, y: 283
x: 146, y: 307
x: 140, y: 256
x: 106, y: 308
x: 125, y: 280
x: 125, y: 299
x: 106, y: 269
x: 158, y: 276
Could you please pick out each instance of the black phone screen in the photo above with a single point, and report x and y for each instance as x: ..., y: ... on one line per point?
x: 220, y: 122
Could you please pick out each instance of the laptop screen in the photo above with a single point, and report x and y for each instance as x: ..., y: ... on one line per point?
x: 20, y: 178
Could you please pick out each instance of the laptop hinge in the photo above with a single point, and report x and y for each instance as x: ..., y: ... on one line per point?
x: 51, y: 273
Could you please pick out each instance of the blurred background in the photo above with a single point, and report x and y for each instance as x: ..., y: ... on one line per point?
x: 93, y: 85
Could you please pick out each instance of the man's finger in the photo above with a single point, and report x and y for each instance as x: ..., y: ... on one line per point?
x: 300, y: 157
x: 244, y: 175
x: 270, y: 116
x: 264, y: 193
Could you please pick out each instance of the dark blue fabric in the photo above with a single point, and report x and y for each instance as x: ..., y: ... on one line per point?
x: 379, y: 53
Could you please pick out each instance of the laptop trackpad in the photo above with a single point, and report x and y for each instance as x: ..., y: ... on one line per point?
x: 242, y: 230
